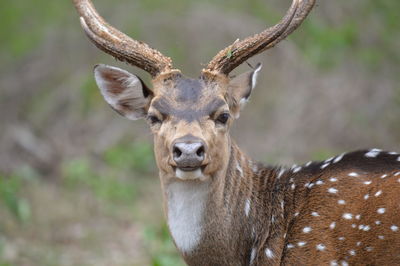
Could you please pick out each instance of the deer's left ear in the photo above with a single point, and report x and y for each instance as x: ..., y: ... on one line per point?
x: 240, y: 89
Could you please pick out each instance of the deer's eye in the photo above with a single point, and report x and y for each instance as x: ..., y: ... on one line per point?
x: 153, y: 119
x: 222, y: 118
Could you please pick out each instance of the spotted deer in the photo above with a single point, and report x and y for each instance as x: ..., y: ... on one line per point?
x: 223, y: 208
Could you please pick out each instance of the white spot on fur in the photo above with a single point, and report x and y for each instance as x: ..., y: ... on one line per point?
x: 381, y: 237
x: 253, y: 255
x: 269, y: 253
x: 293, y: 186
x: 281, y: 172
x: 321, y: 247
x: 366, y: 228
x: 308, y: 164
x: 373, y: 153
x: 325, y: 165
x: 394, y: 228
x: 383, y: 176
x: 297, y: 169
x: 319, y: 182
x: 378, y: 222
x: 341, y: 238
x: 366, y: 196
x: 354, y: 174
x: 358, y: 216
x: 337, y: 159
x: 381, y: 210
x: 333, y: 263
x: 333, y: 179
x: 186, y: 202
x: 247, y: 207
x: 367, y: 182
x: 347, y: 216
x: 341, y: 202
x: 352, y: 252
x: 332, y: 225
x: 369, y: 249
x: 396, y: 174
x: 315, y: 214
x: 344, y: 263
x: 301, y: 244
x: 289, y: 246
x: 307, y: 229
x: 332, y: 190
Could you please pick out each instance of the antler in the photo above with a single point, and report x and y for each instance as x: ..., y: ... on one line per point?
x: 238, y: 52
x: 119, y: 45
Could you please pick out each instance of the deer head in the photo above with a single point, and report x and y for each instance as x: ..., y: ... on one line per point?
x: 190, y: 118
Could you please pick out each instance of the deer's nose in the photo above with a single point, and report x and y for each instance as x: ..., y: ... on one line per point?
x: 189, y: 154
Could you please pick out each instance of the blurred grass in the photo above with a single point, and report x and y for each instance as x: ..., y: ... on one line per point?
x: 26, y: 23
x: 117, y: 188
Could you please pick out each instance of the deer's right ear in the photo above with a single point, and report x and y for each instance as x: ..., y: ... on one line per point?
x: 123, y: 91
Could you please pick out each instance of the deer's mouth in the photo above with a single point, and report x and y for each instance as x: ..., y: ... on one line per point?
x: 189, y: 168
x: 189, y: 173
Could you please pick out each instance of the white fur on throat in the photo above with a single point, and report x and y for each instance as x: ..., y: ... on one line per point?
x: 186, y: 203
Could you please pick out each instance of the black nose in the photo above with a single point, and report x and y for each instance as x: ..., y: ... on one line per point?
x: 189, y: 154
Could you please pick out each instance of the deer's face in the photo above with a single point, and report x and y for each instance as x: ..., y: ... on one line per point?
x: 190, y: 118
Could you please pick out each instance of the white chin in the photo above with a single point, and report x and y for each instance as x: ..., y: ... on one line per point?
x: 189, y: 175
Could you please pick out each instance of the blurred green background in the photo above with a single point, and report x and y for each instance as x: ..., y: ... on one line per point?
x: 78, y: 183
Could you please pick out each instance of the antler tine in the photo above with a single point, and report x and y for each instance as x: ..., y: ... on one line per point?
x: 238, y: 52
x: 301, y: 14
x: 119, y: 45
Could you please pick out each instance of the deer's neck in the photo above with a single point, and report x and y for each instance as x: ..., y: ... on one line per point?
x: 223, y: 218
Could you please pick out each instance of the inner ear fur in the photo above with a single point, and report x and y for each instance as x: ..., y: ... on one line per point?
x: 240, y: 89
x: 124, y: 92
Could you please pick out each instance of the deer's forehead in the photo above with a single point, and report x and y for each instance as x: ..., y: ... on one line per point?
x: 187, y: 110
x: 188, y: 99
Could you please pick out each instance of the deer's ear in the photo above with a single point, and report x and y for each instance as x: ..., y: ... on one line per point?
x: 123, y: 91
x: 240, y: 89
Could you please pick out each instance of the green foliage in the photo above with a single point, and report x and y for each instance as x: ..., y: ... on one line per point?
x: 105, y: 186
x: 323, y: 41
x: 161, y: 248
x: 25, y: 23
x: 322, y: 154
x: 135, y: 156
x: 89, y: 95
x: 11, y: 196
x: 175, y: 6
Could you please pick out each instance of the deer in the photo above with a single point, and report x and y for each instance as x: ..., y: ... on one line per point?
x: 222, y: 207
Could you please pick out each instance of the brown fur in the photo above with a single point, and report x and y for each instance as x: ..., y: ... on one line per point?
x: 256, y: 215
x: 230, y: 235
